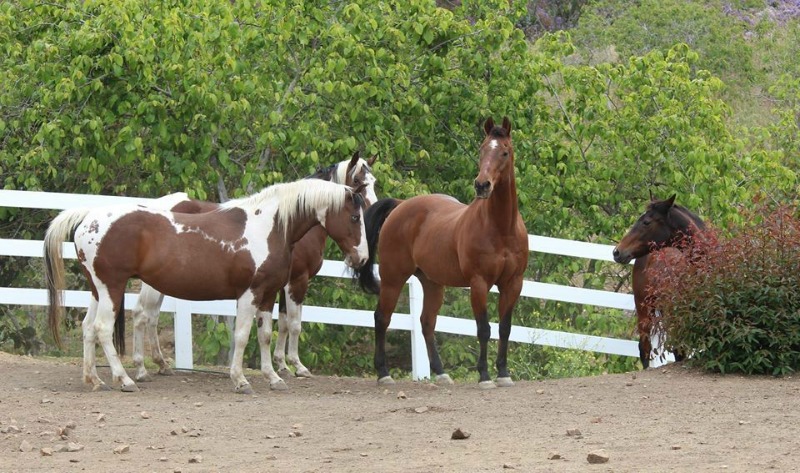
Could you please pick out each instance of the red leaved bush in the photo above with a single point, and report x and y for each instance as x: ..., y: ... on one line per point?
x: 733, y: 304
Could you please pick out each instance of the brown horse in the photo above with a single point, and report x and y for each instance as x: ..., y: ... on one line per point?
x: 446, y: 243
x: 307, y: 257
x: 669, y: 229
x: 242, y: 251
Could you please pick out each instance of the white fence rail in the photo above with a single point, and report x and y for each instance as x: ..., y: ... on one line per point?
x: 183, y: 310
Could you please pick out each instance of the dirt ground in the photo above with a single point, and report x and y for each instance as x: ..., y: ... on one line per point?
x: 663, y: 420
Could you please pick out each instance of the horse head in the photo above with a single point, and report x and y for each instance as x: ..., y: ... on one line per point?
x: 346, y: 227
x: 663, y: 223
x: 496, y: 157
x: 358, y: 174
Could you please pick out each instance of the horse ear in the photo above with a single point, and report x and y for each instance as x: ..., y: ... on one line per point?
x: 353, y: 160
x: 652, y: 199
x: 507, y: 125
x: 487, y: 127
x: 671, y: 201
x: 372, y: 160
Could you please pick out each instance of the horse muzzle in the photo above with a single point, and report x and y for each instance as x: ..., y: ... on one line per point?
x: 621, y: 257
x: 355, y: 262
x: 483, y: 189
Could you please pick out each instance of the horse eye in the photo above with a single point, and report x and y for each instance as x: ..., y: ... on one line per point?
x: 357, y: 181
x: 505, y: 154
x: 355, y: 218
x: 646, y: 222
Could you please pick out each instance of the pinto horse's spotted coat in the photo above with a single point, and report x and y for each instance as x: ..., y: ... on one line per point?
x: 241, y: 251
x: 307, y: 257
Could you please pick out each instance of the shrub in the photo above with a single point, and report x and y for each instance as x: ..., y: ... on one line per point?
x: 736, y: 306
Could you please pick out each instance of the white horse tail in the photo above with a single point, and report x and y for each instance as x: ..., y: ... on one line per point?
x: 59, y: 230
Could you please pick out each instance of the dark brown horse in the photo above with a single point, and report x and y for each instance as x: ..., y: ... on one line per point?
x: 307, y: 257
x: 669, y: 229
x: 241, y: 251
x: 446, y: 243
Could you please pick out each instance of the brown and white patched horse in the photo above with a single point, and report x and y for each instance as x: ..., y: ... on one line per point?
x: 446, y: 243
x: 661, y: 236
x: 242, y: 251
x: 307, y: 258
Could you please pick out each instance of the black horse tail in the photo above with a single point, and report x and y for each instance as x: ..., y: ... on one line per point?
x: 373, y: 222
x: 119, y: 328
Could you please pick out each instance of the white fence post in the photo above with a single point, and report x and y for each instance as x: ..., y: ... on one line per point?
x: 183, y: 335
x: 420, y: 365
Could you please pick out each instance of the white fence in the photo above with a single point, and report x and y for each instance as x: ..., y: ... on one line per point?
x: 183, y: 310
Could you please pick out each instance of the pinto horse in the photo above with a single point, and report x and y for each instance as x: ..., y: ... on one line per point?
x: 446, y: 243
x: 241, y: 251
x: 307, y: 257
x: 669, y: 229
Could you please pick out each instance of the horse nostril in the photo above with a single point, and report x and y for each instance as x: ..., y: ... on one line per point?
x: 615, y: 252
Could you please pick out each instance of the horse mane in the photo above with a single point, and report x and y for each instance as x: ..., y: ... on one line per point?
x: 687, y: 217
x: 298, y: 198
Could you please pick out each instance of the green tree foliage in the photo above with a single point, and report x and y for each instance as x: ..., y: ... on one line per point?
x: 219, y: 99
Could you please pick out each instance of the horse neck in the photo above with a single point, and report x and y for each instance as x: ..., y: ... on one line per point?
x: 300, y: 225
x: 502, y: 206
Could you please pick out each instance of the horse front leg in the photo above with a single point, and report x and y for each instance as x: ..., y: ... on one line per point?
x: 644, y: 326
x: 479, y: 292
x: 264, y: 323
x: 245, y: 310
x: 509, y: 295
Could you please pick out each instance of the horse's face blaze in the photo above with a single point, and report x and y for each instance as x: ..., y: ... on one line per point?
x: 496, y: 155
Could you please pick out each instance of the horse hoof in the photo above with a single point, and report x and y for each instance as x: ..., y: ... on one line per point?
x: 285, y: 371
x: 504, y: 382
x: 166, y: 372
x: 101, y: 387
x: 244, y: 389
x: 386, y: 380
x: 443, y: 379
x: 303, y: 373
x: 487, y: 385
x: 146, y: 378
x: 130, y: 388
x: 279, y: 386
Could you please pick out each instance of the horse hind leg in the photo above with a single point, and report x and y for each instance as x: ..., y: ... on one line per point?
x: 383, y: 317
x: 433, y: 295
x: 145, y: 324
x: 104, y: 326
x: 279, y: 356
x: 89, y: 343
